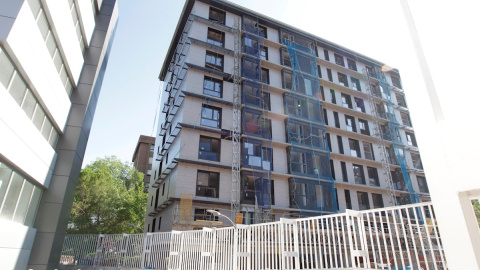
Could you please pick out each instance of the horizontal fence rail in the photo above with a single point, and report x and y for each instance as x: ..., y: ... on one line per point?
x: 402, y: 237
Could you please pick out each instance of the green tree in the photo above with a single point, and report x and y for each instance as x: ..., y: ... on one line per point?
x: 108, y: 198
x: 476, y: 209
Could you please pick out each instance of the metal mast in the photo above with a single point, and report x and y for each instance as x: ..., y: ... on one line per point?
x: 236, y: 119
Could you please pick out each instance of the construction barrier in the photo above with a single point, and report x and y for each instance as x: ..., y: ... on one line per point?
x: 401, y: 237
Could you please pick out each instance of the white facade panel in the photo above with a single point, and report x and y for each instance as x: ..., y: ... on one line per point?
x: 84, y: 7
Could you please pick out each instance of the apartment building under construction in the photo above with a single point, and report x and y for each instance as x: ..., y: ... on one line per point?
x: 261, y: 120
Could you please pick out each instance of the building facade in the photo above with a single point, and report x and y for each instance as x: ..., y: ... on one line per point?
x: 143, y: 157
x: 53, y: 55
x: 261, y: 120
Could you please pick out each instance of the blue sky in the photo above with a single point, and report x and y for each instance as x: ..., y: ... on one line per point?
x: 128, y: 99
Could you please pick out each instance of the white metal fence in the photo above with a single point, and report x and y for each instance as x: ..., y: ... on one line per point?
x: 403, y: 237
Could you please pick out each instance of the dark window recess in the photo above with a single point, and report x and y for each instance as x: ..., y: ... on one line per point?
x: 348, y: 200
x: 305, y: 134
x: 333, y: 99
x: 351, y: 64
x: 363, y: 203
x: 159, y: 223
x: 356, y: 84
x: 360, y: 104
x: 417, y: 162
x: 332, y: 169
x: 303, y: 84
x: 319, y: 71
x: 257, y: 156
x: 254, y: 95
x: 340, y: 144
x: 216, y: 37
x: 398, y: 180
x: 377, y: 200
x: 207, y: 184
x: 373, y: 177
x: 350, y: 123
x: 405, y: 119
x: 287, y: 80
x: 322, y: 93
x: 339, y: 60
x: 202, y: 214
x: 354, y: 148
x: 303, y: 108
x: 255, y: 190
x: 251, y: 68
x: 342, y: 79
x: 285, y: 58
x: 329, y: 142
x: 329, y: 74
x: 251, y: 46
x: 255, y: 124
x: 368, y: 150
x: 272, y: 192
x: 264, y: 53
x: 265, y: 76
x: 306, y: 194
x: 212, y: 87
x: 153, y: 224
x: 156, y: 197
x: 337, y: 119
x: 308, y: 163
x: 325, y: 116
x: 163, y: 189
x: 211, y: 116
x: 262, y: 31
x: 214, y: 61
x: 411, y: 139
x: 401, y: 100
x: 363, y: 125
x: 209, y: 148
x: 347, y: 101
x: 325, y: 53
x: 396, y: 81
x: 216, y: 15
x: 422, y: 184
x: 358, y: 174
x: 344, y: 171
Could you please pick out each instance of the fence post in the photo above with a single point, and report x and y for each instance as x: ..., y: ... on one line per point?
x: 358, y: 238
x: 146, y: 248
x: 99, y: 248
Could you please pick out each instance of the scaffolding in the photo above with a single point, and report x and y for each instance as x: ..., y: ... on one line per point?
x: 378, y: 88
x: 312, y: 189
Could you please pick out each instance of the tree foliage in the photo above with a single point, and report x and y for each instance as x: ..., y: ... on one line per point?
x: 476, y: 209
x: 108, y: 198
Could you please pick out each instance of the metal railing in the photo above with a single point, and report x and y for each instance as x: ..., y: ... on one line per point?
x: 401, y: 237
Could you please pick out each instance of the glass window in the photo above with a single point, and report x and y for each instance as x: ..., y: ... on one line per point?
x: 211, y: 116
x: 363, y: 125
x: 354, y: 148
x: 287, y: 80
x: 216, y: 15
x: 344, y: 171
x: 356, y: 84
x: 329, y: 74
x: 262, y: 31
x: 216, y: 37
x: 264, y: 53
x: 373, y: 177
x: 377, y: 200
x: 411, y: 139
x: 360, y: 104
x: 358, y: 174
x: 18, y: 89
x: 254, y: 95
x: 202, y: 214
x: 214, y: 61
x: 400, y: 100
x: 417, y: 162
x: 29, y: 104
x: 342, y: 79
x: 11, y: 197
x: 422, y: 184
x: 207, y: 184
x: 285, y: 58
x: 396, y: 81
x: 339, y: 60
x: 340, y: 144
x: 265, y: 76
x: 255, y: 124
x: 251, y: 68
x: 405, y: 119
x: 350, y: 122
x: 6, y: 69
x: 368, y: 150
x: 212, y: 87
x: 337, y: 119
x: 351, y: 64
x: 347, y: 101
x: 333, y: 99
x: 325, y: 53
x: 348, y: 200
x: 209, y: 148
x: 363, y: 203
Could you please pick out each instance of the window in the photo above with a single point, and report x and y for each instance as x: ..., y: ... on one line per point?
x: 305, y: 134
x: 329, y: 143
x: 251, y: 68
x: 400, y: 100
x: 358, y: 174
x: 325, y: 116
x: 272, y: 193
x: 346, y: 101
x: 344, y: 171
x: 319, y: 70
x: 254, y: 95
x: 251, y: 45
x: 211, y: 116
x: 287, y: 80
x: 216, y: 37
x: 398, y: 180
x: 307, y: 162
x: 340, y: 144
x: 422, y: 184
x: 363, y: 125
x: 351, y: 64
x: 411, y: 139
x: 329, y: 74
x: 377, y: 200
x: 342, y: 79
x: 350, y: 122
x: 332, y: 169
x: 154, y: 224
x: 348, y: 200
x: 339, y: 60
x: 325, y: 53
x: 405, y: 119
x: 373, y: 177
x: 209, y: 148
x: 265, y: 76
x: 333, y: 99
x: 322, y: 93
x: 202, y: 214
x: 214, y: 61
x: 303, y: 108
x: 163, y: 189
x: 207, y: 184
x: 368, y: 150
x: 356, y: 84
x: 285, y: 58
x: 354, y: 148
x: 417, y: 162
x: 337, y: 119
x: 212, y: 87
x: 359, y: 104
x: 264, y: 53
x: 306, y: 194
x: 363, y: 203
x: 262, y: 31
x: 216, y: 15
x: 255, y: 124
x: 396, y: 81
x: 255, y: 155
